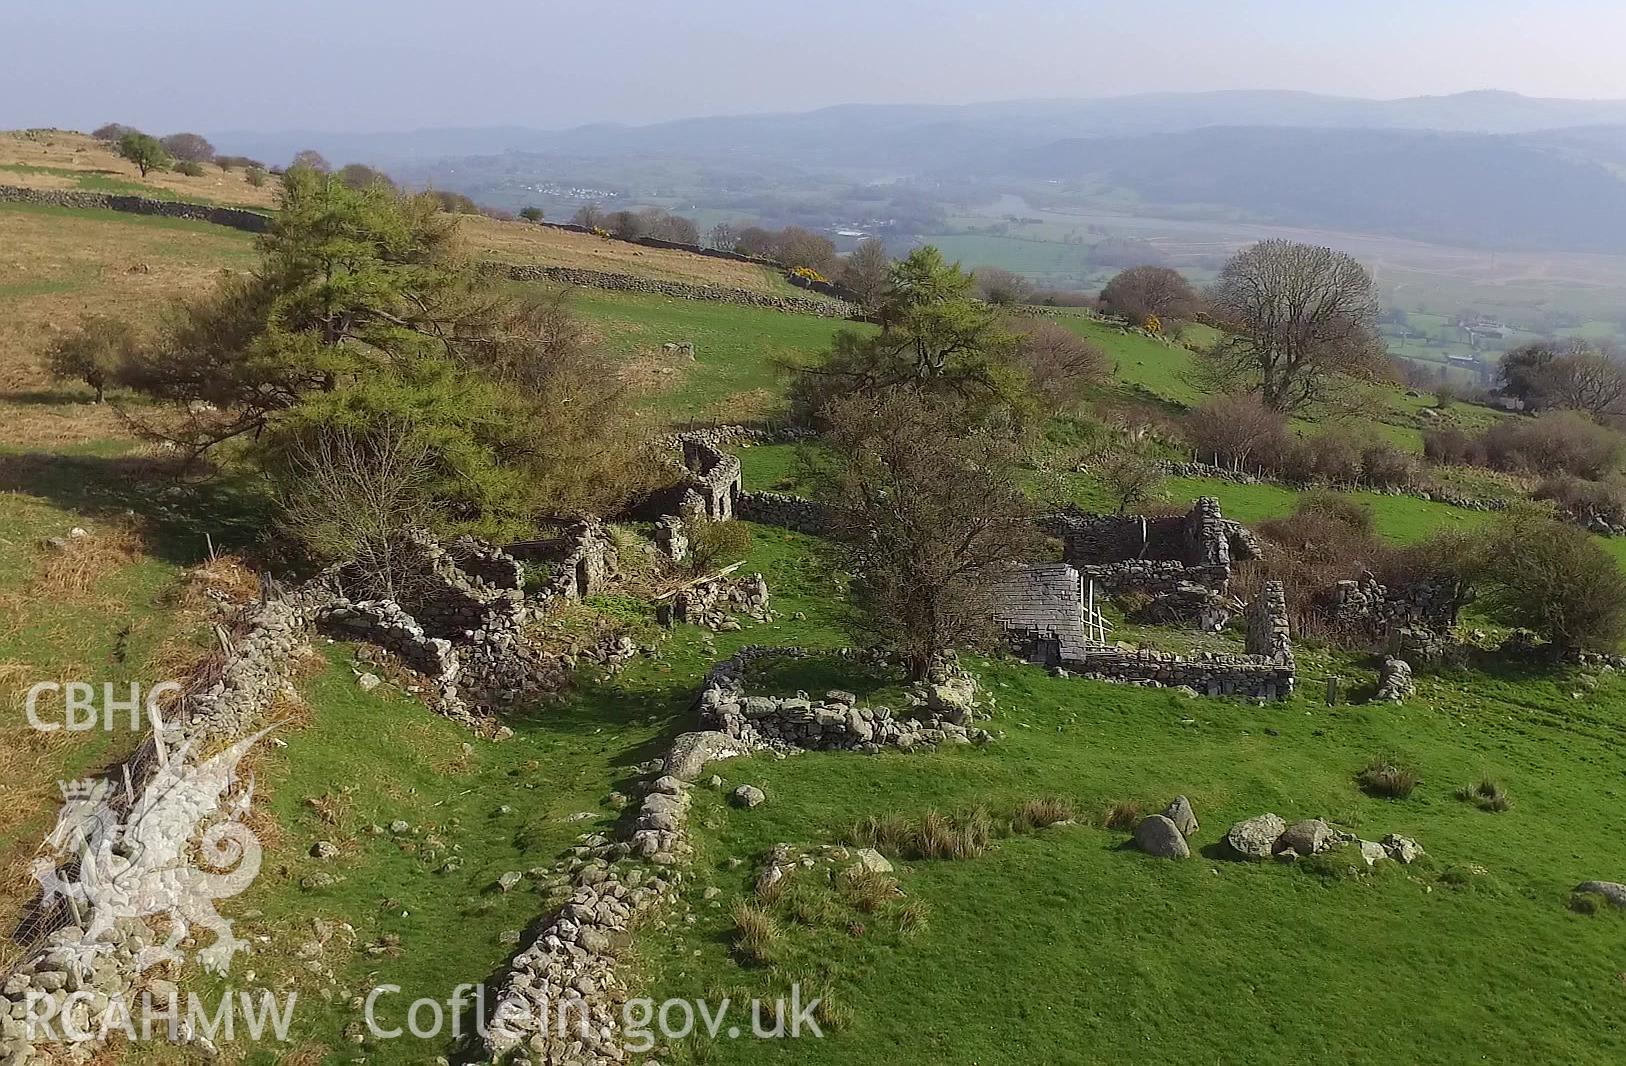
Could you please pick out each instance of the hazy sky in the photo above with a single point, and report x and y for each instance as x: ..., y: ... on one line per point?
x: 375, y: 65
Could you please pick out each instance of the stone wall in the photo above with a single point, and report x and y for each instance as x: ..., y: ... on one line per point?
x: 1153, y: 555
x: 785, y: 511
x: 233, y: 217
x: 717, y: 603
x: 834, y: 723
x: 1368, y: 606
x: 683, y: 290
x: 583, y: 560
x: 224, y: 702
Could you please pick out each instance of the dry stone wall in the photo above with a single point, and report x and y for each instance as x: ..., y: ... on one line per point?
x: 233, y: 217
x: 225, y: 702
x: 683, y: 290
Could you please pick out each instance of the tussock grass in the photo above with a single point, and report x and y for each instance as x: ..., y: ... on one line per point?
x: 1042, y: 813
x: 867, y: 890
x: 1122, y: 816
x: 1387, y: 779
x: 912, y: 917
x: 757, y: 934
x: 1486, y: 794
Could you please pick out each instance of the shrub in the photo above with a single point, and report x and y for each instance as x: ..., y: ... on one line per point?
x: 1237, y: 429
x: 190, y: 167
x: 1487, y: 795
x: 756, y: 933
x: 1551, y: 443
x: 1554, y: 579
x: 1384, y: 778
x: 1060, y: 365
x: 255, y: 176
x: 1583, y: 500
x: 809, y: 274
x: 716, y: 544
x: 1385, y: 466
x: 1334, y: 456
x: 1450, y: 446
x: 93, y: 353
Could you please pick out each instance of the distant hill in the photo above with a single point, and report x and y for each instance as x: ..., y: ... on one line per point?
x: 1545, y: 192
x: 865, y: 136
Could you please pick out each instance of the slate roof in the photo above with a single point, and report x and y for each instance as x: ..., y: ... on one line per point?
x: 1044, y: 602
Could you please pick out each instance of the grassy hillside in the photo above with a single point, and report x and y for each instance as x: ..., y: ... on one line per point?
x: 63, y: 159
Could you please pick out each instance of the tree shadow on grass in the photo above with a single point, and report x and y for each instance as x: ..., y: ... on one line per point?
x: 180, y: 516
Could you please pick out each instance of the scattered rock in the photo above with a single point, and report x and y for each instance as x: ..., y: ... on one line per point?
x: 369, y: 681
x: 1308, y: 837
x: 1184, y: 818
x: 1256, y: 837
x: 324, y: 849
x: 1157, y: 835
x: 873, y: 861
x: 508, y: 880
x: 1401, y: 849
x: 748, y: 796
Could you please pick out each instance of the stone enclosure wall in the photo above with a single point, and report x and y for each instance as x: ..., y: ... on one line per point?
x: 233, y: 217
x: 683, y: 290
x: 1136, y: 553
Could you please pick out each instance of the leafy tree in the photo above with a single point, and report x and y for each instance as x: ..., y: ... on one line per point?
x: 934, y: 336
x: 1573, y: 375
x: 866, y: 272
x: 1300, y: 321
x: 191, y: 147
x: 363, y: 321
x: 1144, y: 292
x: 93, y: 353
x: 144, y: 151
x: 929, y: 513
x: 531, y: 214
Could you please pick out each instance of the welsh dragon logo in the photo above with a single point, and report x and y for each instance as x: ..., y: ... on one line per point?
x: 109, y: 866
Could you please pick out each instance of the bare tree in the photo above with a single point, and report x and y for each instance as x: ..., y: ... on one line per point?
x: 1002, y: 287
x: 866, y: 271
x: 1300, y: 319
x: 1144, y: 292
x: 588, y: 216
x: 798, y: 247
x: 1131, y: 477
x: 1585, y: 379
x: 311, y: 159
x: 193, y: 147
x: 929, y: 512
x: 353, y: 495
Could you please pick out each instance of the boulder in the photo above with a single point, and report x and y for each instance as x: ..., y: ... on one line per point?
x: 872, y: 861
x: 1256, y: 837
x: 1373, y: 853
x: 1184, y: 818
x: 1306, y: 838
x: 1157, y: 835
x: 692, y: 751
x: 1401, y: 849
x: 1613, y: 891
x: 748, y: 796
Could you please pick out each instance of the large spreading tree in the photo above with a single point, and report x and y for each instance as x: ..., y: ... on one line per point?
x: 363, y: 333
x: 1300, y: 324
